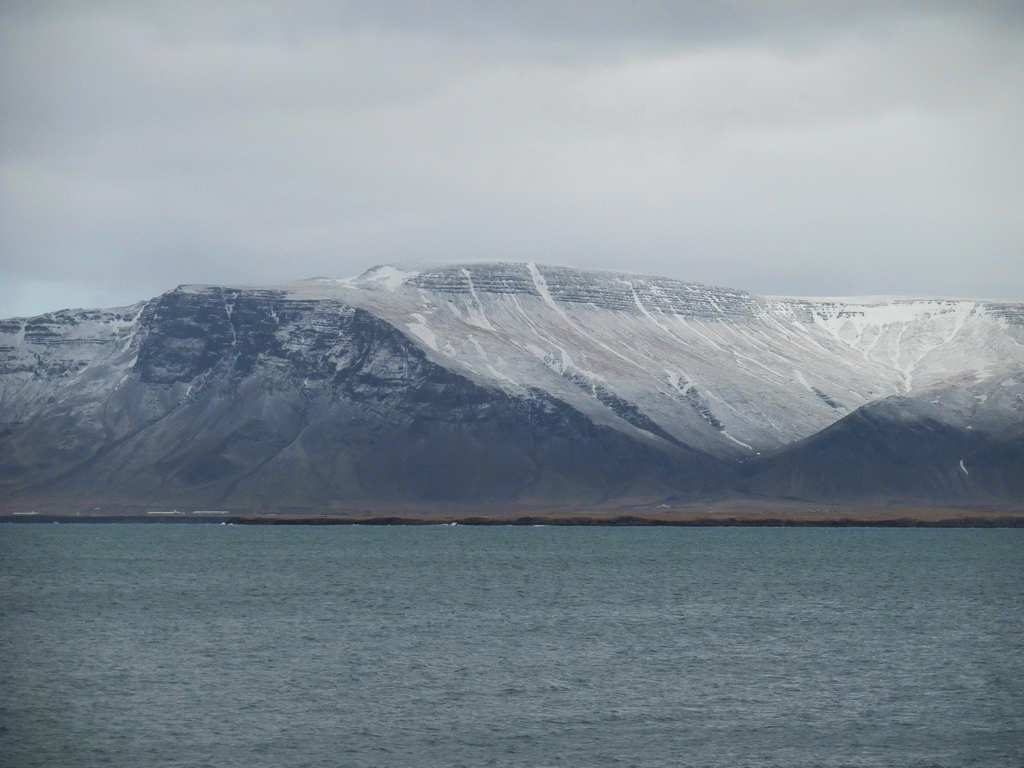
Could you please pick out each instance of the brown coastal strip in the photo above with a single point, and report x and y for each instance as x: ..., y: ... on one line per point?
x: 891, y: 518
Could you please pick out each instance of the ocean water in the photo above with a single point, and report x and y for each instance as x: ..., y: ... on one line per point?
x: 216, y: 645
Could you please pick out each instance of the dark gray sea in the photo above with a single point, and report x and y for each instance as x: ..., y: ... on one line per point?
x: 218, y: 645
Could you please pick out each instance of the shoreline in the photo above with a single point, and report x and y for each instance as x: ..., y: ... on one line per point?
x: 870, y: 518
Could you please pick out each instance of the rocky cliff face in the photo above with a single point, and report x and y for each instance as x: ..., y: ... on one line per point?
x: 511, y: 383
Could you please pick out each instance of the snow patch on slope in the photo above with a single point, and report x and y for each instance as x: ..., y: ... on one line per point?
x: 387, y: 277
x: 422, y: 331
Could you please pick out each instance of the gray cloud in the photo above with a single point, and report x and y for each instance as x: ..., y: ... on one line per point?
x: 797, y: 148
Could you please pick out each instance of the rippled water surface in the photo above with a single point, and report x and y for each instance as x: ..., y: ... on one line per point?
x: 215, y: 645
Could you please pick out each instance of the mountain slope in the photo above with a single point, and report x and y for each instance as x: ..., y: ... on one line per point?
x: 509, y: 383
x: 898, y: 450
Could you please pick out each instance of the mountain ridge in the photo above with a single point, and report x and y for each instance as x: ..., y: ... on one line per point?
x: 505, y: 382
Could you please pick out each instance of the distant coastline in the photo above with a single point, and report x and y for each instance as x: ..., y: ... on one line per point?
x: 878, y: 518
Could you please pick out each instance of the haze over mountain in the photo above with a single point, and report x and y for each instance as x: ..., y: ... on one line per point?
x: 511, y: 383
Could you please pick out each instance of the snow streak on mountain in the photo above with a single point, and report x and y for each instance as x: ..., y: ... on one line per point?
x: 512, y: 383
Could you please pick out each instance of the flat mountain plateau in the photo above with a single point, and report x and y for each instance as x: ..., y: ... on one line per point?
x: 514, y: 389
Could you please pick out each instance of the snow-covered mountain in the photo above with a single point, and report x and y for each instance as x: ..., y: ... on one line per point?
x: 512, y: 382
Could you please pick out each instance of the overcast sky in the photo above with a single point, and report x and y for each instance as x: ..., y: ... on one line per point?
x: 786, y: 147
